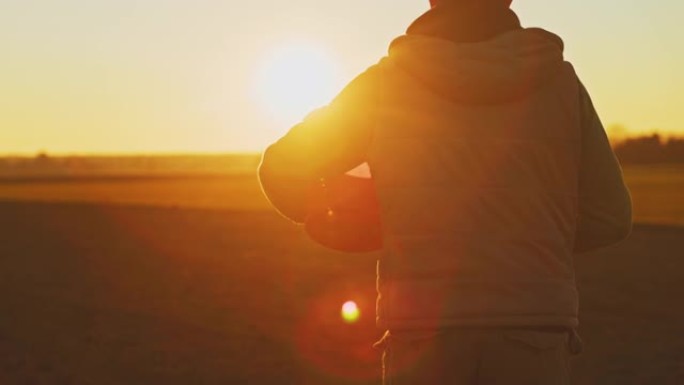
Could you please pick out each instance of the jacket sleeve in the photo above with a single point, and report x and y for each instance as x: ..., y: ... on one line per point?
x: 605, y: 205
x: 327, y: 143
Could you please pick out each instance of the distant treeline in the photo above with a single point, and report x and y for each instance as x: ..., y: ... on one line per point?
x: 650, y: 150
x: 638, y: 150
x: 44, y: 165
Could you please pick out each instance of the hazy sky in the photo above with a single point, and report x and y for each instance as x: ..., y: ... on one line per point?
x: 85, y: 76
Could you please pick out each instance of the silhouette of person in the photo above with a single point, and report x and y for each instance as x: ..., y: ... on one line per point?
x: 492, y: 170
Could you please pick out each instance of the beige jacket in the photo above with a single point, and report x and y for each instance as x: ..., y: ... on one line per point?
x: 492, y: 170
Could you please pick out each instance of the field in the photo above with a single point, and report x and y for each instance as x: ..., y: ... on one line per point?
x: 657, y: 191
x: 193, y: 280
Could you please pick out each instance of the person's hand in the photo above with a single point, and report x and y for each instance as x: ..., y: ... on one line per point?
x: 344, y: 215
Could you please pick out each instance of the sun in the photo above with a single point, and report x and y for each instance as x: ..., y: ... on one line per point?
x: 294, y: 79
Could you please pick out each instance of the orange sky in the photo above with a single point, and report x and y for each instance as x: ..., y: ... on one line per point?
x: 130, y: 76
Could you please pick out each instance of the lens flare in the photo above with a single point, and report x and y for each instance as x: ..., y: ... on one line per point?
x: 350, y: 312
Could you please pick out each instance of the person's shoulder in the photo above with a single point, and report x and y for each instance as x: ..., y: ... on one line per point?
x: 377, y: 70
x: 373, y: 79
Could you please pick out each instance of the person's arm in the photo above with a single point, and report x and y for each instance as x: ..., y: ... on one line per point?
x: 329, y: 142
x: 605, y: 206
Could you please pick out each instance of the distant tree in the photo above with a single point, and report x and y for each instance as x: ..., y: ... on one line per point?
x: 42, y: 158
x: 674, y: 150
x: 650, y: 150
x: 44, y: 164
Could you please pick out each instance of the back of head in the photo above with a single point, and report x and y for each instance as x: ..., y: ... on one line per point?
x: 506, y: 3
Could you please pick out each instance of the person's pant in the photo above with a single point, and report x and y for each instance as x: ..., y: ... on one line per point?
x: 469, y: 356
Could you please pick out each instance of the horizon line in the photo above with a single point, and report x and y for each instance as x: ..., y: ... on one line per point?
x: 126, y: 154
x: 667, y: 135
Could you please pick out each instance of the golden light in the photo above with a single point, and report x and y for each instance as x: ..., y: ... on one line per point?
x: 295, y: 79
x: 350, y: 312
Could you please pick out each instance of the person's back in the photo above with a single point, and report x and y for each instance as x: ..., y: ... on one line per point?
x: 492, y: 169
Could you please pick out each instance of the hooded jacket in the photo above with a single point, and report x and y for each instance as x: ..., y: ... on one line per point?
x: 491, y: 166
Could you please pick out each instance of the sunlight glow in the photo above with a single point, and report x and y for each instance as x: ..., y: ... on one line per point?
x: 295, y: 79
x: 152, y: 76
x: 350, y: 312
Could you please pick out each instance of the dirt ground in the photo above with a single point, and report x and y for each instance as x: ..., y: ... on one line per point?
x: 97, y: 294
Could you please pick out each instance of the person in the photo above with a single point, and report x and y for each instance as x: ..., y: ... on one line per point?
x: 492, y: 170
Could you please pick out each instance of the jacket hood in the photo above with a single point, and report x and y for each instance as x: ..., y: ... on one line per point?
x: 507, y: 67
